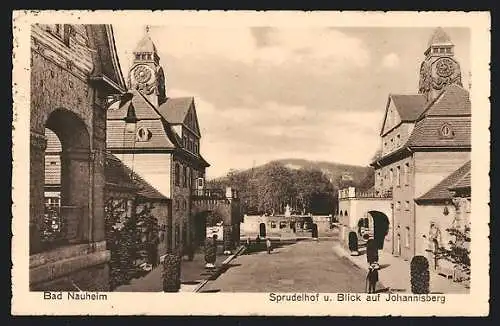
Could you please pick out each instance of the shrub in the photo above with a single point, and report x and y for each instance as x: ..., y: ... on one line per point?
x: 419, y: 272
x: 371, y: 251
x: 210, y: 251
x: 353, y: 241
x: 172, y: 272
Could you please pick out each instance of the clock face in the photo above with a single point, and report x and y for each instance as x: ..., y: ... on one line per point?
x: 445, y: 67
x: 143, y: 74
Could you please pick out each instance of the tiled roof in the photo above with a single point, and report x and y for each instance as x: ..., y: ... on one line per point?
x: 174, y: 110
x: 119, y: 173
x: 427, y: 133
x: 409, y: 106
x: 452, y: 101
x: 53, y: 143
x: 441, y: 190
x: 464, y: 182
x: 142, y: 108
x: 117, y: 137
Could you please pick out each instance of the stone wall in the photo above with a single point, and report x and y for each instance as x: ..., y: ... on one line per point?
x: 64, y: 59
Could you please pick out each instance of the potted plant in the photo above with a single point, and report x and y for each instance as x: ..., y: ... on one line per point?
x: 210, y: 253
x: 419, y: 272
x: 171, y: 273
x: 353, y: 243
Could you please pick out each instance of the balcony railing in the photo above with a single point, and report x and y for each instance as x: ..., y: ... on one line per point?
x: 355, y: 193
x: 374, y: 194
x: 208, y: 194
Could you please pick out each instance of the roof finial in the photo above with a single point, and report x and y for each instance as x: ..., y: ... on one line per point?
x: 147, y: 29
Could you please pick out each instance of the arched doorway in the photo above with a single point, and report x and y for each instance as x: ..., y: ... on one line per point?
x: 69, y: 133
x: 262, y: 230
x: 380, y: 227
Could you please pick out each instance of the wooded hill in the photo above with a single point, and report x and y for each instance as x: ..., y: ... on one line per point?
x: 307, y: 186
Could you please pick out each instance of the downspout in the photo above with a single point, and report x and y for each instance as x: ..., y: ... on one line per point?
x: 92, y: 156
x: 413, y: 212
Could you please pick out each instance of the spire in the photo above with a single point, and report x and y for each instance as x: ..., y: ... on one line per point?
x: 439, y: 43
x: 146, y: 49
x: 439, y: 37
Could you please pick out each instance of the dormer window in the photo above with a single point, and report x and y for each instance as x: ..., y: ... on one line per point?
x: 446, y: 131
x: 143, y: 134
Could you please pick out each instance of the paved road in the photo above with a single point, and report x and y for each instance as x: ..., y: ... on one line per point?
x: 306, y: 266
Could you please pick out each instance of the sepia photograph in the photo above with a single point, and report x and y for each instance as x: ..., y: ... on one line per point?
x: 310, y: 163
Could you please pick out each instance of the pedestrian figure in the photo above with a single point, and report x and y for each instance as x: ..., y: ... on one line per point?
x: 372, y: 278
x: 248, y: 242
x: 268, y: 245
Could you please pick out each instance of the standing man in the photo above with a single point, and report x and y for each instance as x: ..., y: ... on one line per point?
x: 268, y: 245
x: 372, y: 278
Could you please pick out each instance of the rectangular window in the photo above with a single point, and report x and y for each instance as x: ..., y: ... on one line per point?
x: 391, y: 177
x: 407, y: 205
x: 406, y: 173
x: 398, y: 176
x: 398, y: 205
x: 398, y: 140
x: 283, y: 224
x: 184, y: 176
x: 177, y: 174
x: 448, y: 50
x: 407, y: 237
x: 273, y: 225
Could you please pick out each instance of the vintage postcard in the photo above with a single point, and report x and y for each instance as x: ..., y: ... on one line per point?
x: 251, y: 163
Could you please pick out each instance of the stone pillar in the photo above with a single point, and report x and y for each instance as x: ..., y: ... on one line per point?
x: 75, y: 188
x: 38, y: 144
x: 237, y: 235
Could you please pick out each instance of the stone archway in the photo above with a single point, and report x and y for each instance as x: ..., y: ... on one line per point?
x: 76, y: 184
x: 380, y: 226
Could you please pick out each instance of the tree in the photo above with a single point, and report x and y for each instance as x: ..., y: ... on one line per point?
x: 214, y: 218
x: 458, y: 251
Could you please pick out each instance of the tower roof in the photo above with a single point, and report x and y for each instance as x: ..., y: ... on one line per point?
x: 439, y: 37
x: 145, y: 45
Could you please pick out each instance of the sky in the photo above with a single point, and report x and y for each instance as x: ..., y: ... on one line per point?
x: 265, y: 93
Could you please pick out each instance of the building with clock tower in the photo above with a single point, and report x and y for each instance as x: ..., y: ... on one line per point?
x: 425, y: 150
x: 439, y: 68
x: 158, y: 138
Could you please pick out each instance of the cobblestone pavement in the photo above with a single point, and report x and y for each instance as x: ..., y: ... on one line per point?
x: 305, y: 266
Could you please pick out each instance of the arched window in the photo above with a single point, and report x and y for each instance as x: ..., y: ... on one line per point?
x: 184, y: 204
x: 345, y: 213
x: 177, y: 176
x: 184, y: 176
x: 341, y: 213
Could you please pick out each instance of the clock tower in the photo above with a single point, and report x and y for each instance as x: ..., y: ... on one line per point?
x: 146, y: 75
x: 439, y: 68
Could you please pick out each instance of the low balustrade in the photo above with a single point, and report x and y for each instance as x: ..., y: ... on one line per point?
x: 355, y: 193
x: 61, y: 225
